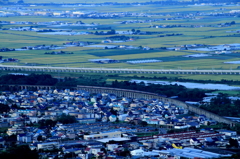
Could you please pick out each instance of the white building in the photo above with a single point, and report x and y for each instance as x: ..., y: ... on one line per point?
x: 24, y: 138
x: 138, y: 152
x: 228, y: 133
x: 48, y: 145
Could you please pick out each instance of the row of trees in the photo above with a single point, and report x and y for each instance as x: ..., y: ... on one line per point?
x: 165, y: 90
x: 6, y: 49
x: 223, y: 106
x: 32, y: 79
x: 111, y: 32
x: 179, y: 79
x: 64, y: 119
x: 4, y: 108
x: 120, y: 37
x: 19, y: 152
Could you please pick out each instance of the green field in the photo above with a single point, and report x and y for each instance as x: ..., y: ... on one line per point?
x: 171, y: 59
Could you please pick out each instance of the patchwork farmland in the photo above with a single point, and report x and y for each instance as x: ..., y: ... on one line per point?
x: 153, y: 32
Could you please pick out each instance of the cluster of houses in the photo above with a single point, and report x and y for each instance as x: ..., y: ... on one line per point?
x: 120, y: 41
x: 218, y: 49
x: 103, y: 61
x: 17, y: 22
x: 107, y: 125
x: 77, y: 43
x: 3, y: 60
x: 166, y: 35
x: 126, y: 47
x: 25, y: 11
x: 51, y: 23
x: 6, y: 49
x: 232, y: 13
x: 191, y: 26
x: 41, y: 47
x: 37, y: 47
x: 223, y: 47
x: 20, y: 11
x: 143, y: 21
x: 12, y: 11
x: 58, y: 52
x: 233, y: 31
x: 187, y: 47
x: 30, y: 28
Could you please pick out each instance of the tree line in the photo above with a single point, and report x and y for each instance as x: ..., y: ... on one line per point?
x: 223, y: 106
x: 179, y: 79
x: 45, y: 79
x: 32, y: 79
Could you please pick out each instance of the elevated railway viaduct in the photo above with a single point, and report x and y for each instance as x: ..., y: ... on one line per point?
x: 133, y: 94
x: 116, y: 70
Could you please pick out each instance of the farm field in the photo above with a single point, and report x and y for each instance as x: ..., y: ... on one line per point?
x: 155, y: 38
